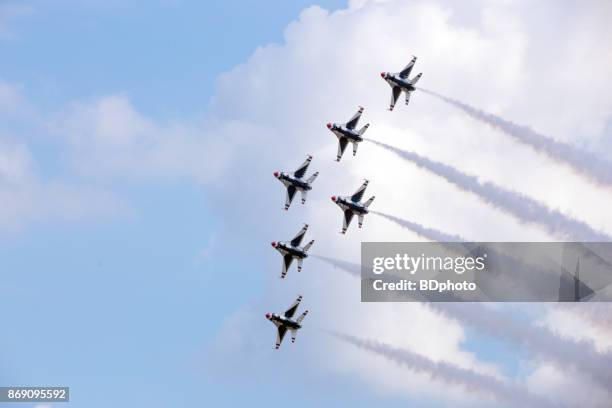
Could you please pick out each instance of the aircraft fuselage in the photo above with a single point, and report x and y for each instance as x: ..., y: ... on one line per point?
x: 290, y: 324
x: 350, y: 134
x: 295, y: 252
x: 351, y: 205
x: 288, y: 180
x: 402, y: 83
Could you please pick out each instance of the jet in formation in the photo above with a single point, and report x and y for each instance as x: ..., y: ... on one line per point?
x: 400, y: 82
x: 347, y: 132
x: 294, y: 182
x: 352, y: 205
x: 286, y: 322
x: 291, y: 250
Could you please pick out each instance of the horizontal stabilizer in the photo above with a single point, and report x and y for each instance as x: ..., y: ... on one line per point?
x: 308, y: 245
x: 363, y: 129
x: 302, y: 316
x: 312, y: 178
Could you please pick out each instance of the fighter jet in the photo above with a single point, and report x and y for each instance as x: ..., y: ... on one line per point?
x: 294, y: 182
x: 399, y: 82
x: 346, y: 133
x: 292, y: 250
x: 351, y: 205
x: 285, y: 322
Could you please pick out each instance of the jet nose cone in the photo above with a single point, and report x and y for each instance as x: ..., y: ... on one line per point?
x: 276, y: 173
x: 333, y: 198
x: 329, y: 125
x: 268, y: 315
x: 273, y: 244
x: 383, y: 74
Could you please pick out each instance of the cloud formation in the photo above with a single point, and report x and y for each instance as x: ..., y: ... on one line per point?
x: 27, y: 198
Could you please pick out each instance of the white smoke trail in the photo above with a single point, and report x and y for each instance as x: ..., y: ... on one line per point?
x: 349, y: 267
x: 425, y: 232
x: 471, y: 380
x: 538, y: 341
x: 593, y: 167
x: 522, y: 207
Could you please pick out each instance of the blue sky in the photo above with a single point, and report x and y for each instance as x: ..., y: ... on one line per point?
x: 118, y: 309
x: 164, y: 54
x: 137, y: 145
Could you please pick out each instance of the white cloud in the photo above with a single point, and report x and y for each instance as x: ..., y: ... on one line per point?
x: 588, y: 322
x: 108, y: 137
x: 26, y: 198
x: 327, y: 66
x: 569, y: 388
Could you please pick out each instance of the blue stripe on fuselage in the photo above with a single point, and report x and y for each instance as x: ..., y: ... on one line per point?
x: 402, y: 83
x: 349, y: 134
x: 290, y: 324
x: 356, y: 207
x: 297, y: 182
x: 296, y: 252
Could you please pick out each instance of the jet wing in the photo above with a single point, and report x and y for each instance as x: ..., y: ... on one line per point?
x: 290, y: 194
x: 348, y: 216
x: 291, y: 311
x: 395, y: 93
x: 353, y: 122
x: 360, y: 192
x: 342, y: 142
x: 406, y: 71
x: 287, y: 259
x: 280, y: 335
x: 298, y: 238
x: 299, y: 173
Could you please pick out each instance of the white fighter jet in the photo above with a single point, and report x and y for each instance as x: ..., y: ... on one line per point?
x: 400, y: 82
x: 286, y: 322
x: 346, y: 133
x: 291, y: 250
x: 352, y: 205
x: 294, y: 182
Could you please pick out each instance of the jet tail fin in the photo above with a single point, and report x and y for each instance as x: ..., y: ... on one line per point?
x: 363, y: 129
x: 308, y: 245
x: 312, y: 178
x: 293, y: 335
x: 367, y: 203
x: 302, y: 316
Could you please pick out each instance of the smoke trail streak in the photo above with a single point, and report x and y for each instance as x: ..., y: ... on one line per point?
x: 349, y: 267
x: 450, y: 373
x: 425, y: 232
x: 593, y: 167
x: 538, y: 341
x: 522, y: 207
